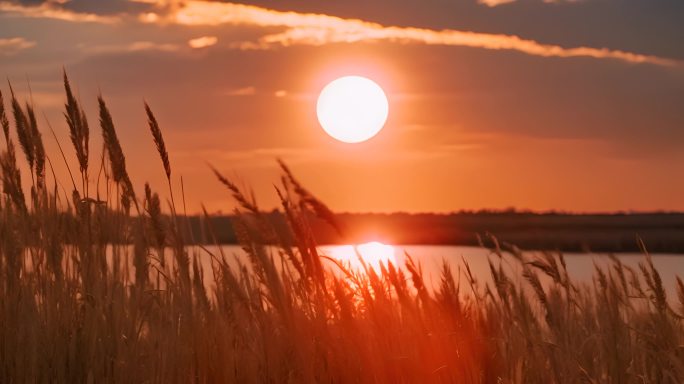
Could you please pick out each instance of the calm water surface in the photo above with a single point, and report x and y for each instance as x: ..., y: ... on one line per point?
x: 580, y: 265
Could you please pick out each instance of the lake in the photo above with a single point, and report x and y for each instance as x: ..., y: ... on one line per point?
x: 580, y: 265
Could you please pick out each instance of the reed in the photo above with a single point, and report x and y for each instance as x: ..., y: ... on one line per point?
x: 92, y: 292
x: 79, y: 131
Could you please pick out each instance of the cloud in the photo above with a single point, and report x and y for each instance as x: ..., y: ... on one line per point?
x: 54, y: 10
x: 203, y: 42
x: 320, y: 29
x: 561, y: 1
x: 245, y: 91
x: 265, y: 156
x: 14, y: 44
x: 494, y: 3
x: 136, y: 46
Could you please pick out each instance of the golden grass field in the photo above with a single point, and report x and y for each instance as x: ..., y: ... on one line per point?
x: 68, y: 315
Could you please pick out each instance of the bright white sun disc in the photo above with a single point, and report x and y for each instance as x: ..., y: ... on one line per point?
x: 352, y: 109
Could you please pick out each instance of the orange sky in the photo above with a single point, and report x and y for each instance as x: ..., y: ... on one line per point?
x: 482, y: 114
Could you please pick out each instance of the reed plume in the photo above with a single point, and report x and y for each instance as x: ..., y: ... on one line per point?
x: 24, y: 131
x: 117, y: 160
x: 79, y: 131
x: 158, y: 140
x: 3, y: 120
x: 11, y: 177
x: 38, y: 148
x: 309, y: 200
x: 247, y: 203
x: 153, y: 208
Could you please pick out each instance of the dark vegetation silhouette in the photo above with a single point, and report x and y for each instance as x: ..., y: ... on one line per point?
x: 614, y: 232
x: 103, y: 285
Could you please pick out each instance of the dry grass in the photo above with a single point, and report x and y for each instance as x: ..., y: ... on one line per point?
x: 71, y: 311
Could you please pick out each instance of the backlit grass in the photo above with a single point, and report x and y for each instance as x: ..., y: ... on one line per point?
x: 87, y: 295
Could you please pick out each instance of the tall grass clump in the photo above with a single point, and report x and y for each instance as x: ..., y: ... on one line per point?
x: 94, y: 291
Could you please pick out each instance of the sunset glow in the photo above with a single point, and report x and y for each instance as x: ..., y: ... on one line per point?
x: 341, y: 192
x: 374, y: 254
x: 483, y: 111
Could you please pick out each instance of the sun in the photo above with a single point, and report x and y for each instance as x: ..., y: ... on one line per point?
x: 352, y: 109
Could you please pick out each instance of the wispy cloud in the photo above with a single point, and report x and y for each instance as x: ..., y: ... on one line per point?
x: 15, y: 44
x: 245, y: 91
x: 203, y: 42
x: 562, y: 1
x: 319, y: 29
x: 265, y: 156
x: 494, y: 3
x: 53, y: 10
x: 136, y: 46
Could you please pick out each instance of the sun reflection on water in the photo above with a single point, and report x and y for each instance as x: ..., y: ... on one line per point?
x: 374, y: 254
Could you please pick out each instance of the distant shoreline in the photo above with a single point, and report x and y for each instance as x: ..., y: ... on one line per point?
x: 660, y: 232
